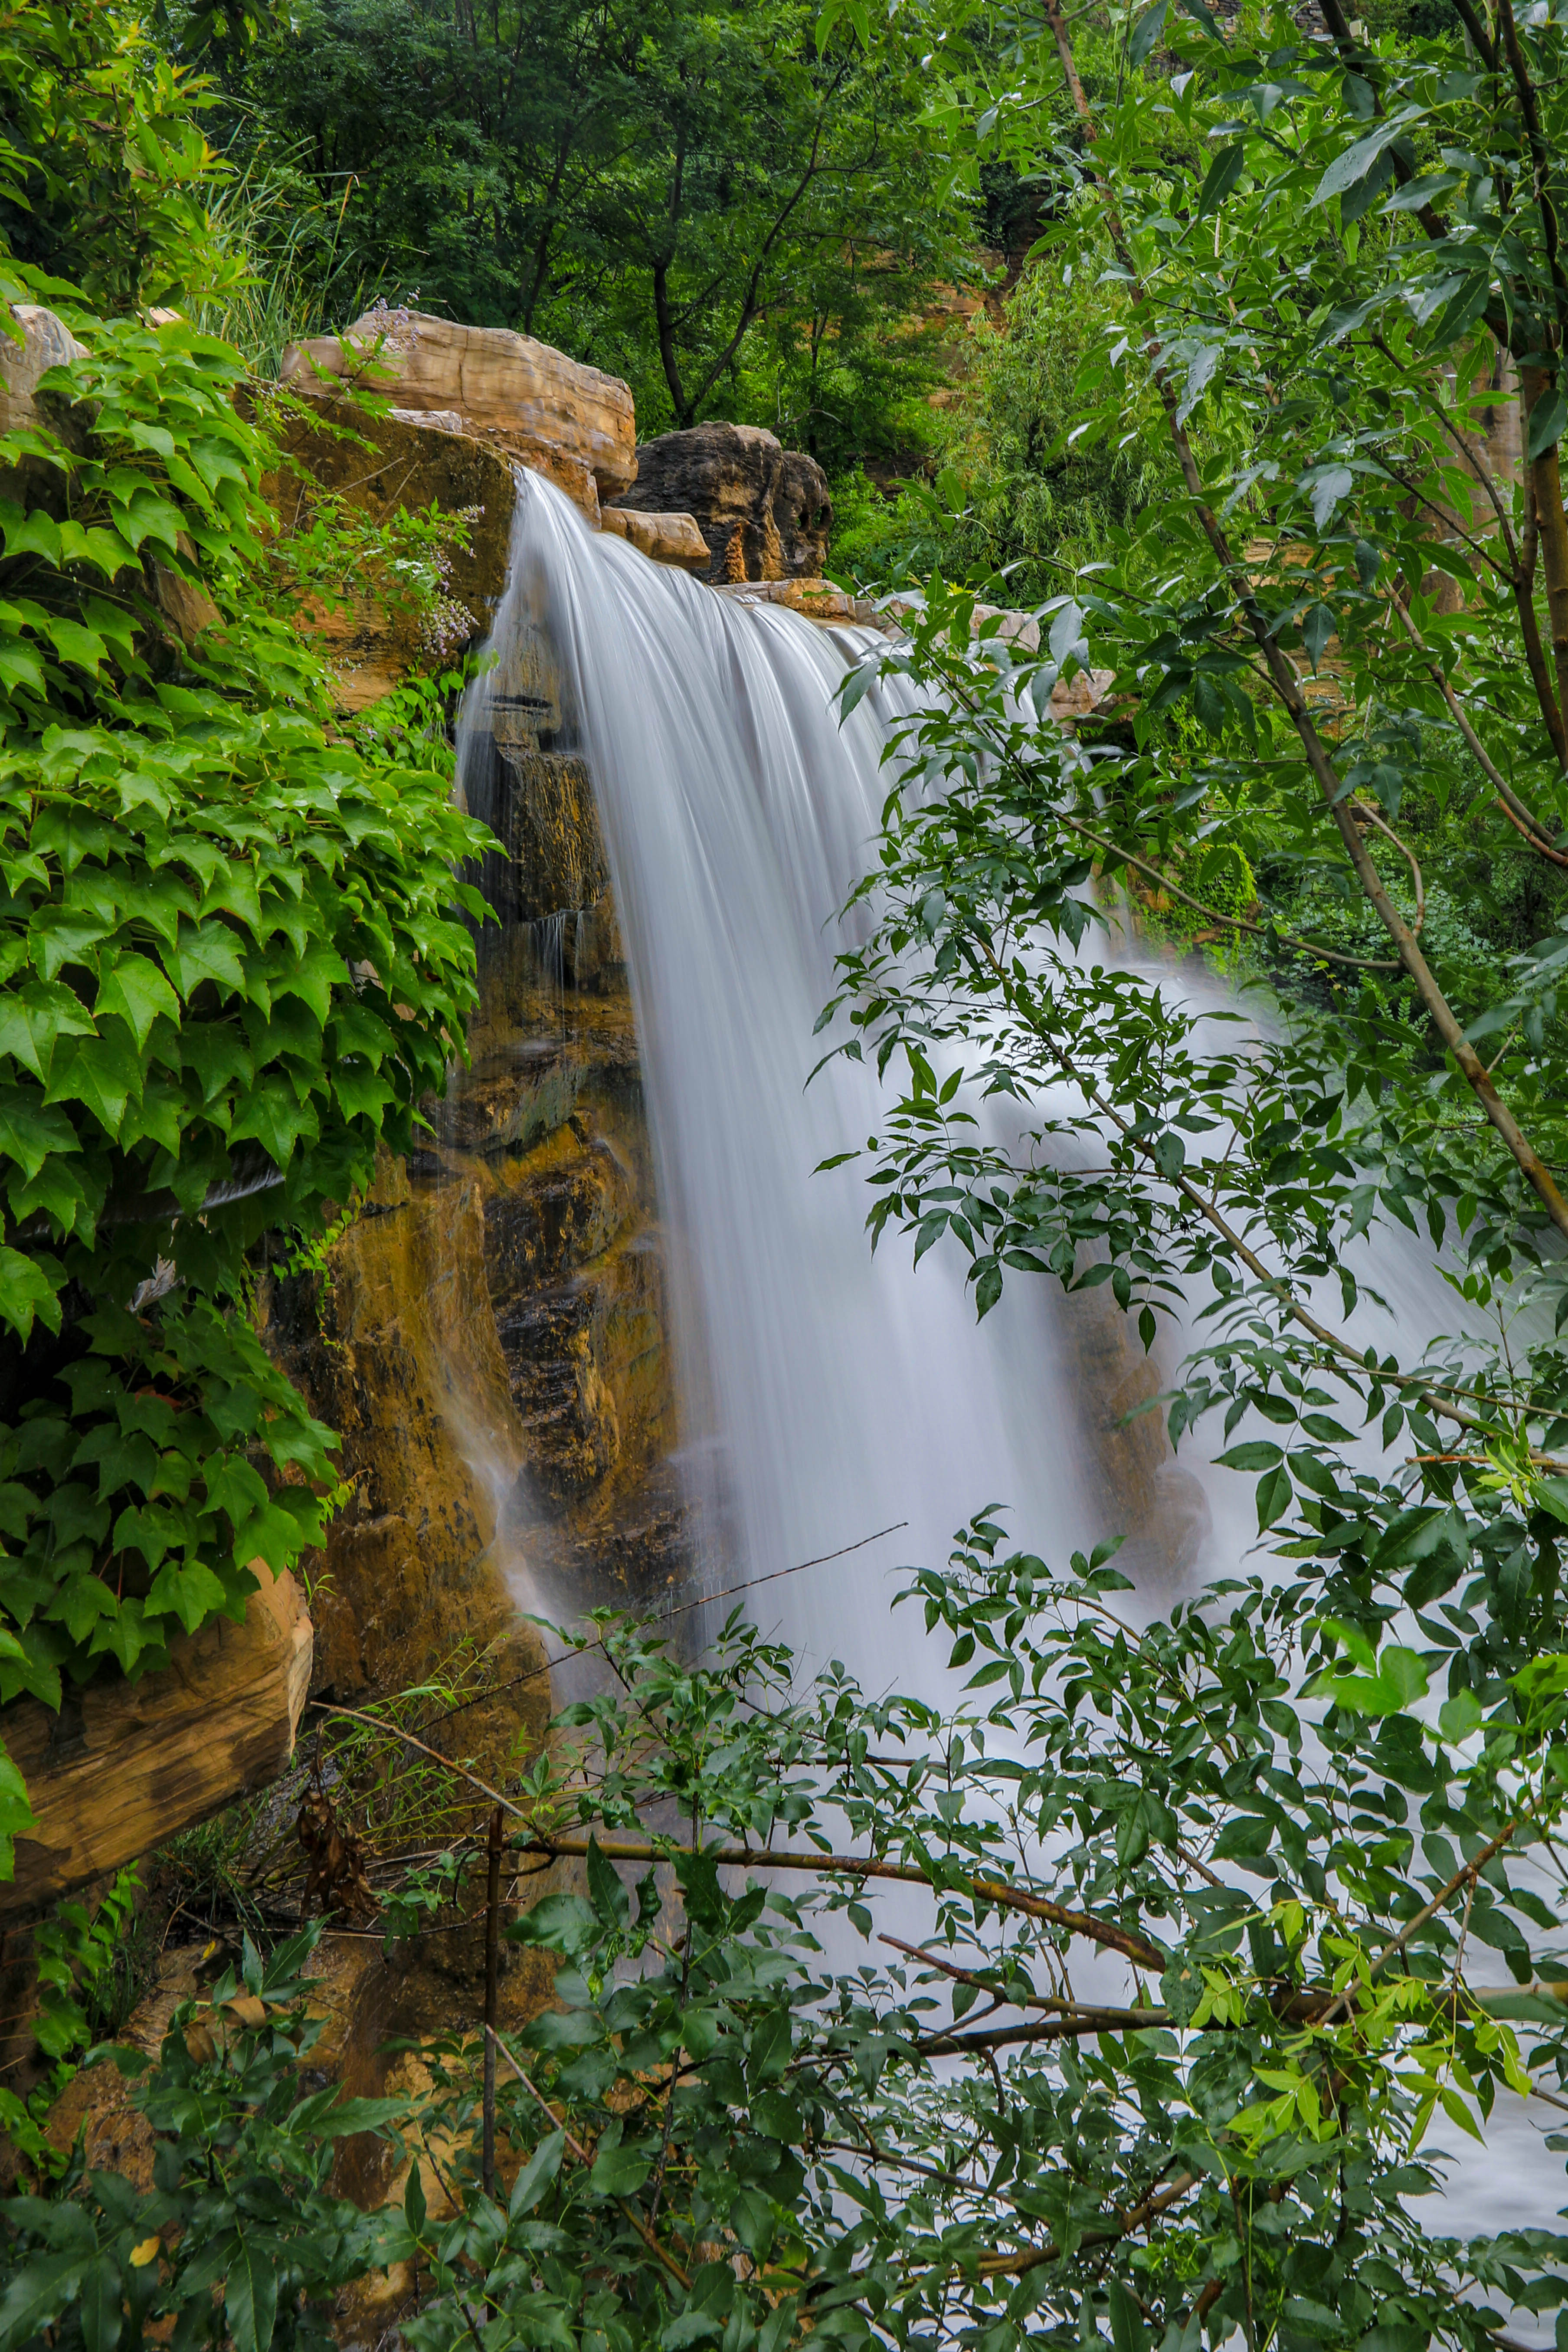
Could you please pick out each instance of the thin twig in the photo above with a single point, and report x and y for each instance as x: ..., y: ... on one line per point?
x: 998, y: 1892
x: 1397, y: 1943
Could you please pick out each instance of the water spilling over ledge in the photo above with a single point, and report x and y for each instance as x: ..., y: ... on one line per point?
x: 681, y: 753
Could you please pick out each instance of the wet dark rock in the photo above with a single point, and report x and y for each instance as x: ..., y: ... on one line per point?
x: 766, y: 512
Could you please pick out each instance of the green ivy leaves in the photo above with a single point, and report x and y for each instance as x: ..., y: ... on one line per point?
x: 234, y: 955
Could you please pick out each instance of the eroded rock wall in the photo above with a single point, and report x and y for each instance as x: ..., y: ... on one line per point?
x: 573, y: 422
x: 764, y: 512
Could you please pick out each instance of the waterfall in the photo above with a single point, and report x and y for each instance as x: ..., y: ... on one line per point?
x: 827, y: 1394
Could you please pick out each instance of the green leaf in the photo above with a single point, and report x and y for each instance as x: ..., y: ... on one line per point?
x: 608, y: 1895
x: 278, y: 1120
x: 1547, y: 419
x: 1356, y: 162
x: 251, y: 2294
x: 20, y: 666
x: 208, y: 950
x: 536, y: 2175
x: 1221, y: 179
x: 189, y: 1592
x: 137, y: 990
x: 38, y: 2290
x: 102, y: 1072
x: 98, y: 2310
x: 1459, y: 1717
x: 26, y: 1290
x: 1127, y: 2330
x: 772, y: 2048
x: 1147, y: 31
x: 617, y: 2171
x: 16, y: 1815
x: 30, y: 1130
x: 1274, y: 1494
x: 1258, y: 1454
x: 74, y: 644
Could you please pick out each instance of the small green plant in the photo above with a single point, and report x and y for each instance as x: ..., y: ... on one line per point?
x: 90, y: 1971
x: 239, y: 2239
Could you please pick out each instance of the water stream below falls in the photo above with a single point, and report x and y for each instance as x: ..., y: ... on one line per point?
x: 826, y: 1395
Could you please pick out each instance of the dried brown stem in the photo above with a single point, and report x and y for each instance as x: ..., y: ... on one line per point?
x: 994, y: 1891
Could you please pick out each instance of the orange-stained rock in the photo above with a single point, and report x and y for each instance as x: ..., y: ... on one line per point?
x: 573, y: 422
x: 125, y: 1765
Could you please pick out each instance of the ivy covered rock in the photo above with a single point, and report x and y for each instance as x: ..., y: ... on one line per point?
x: 234, y: 955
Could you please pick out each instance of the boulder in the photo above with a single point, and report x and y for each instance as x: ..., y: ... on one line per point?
x: 125, y: 1765
x: 376, y: 465
x: 574, y: 424
x: 764, y: 511
x: 663, y: 538
x: 36, y: 342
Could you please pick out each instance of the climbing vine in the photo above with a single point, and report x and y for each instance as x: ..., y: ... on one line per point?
x: 233, y: 958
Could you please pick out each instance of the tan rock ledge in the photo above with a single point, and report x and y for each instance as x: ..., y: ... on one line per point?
x: 575, y: 424
x: 663, y: 538
x: 125, y: 1765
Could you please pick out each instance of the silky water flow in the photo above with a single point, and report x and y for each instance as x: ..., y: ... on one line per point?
x: 828, y: 1393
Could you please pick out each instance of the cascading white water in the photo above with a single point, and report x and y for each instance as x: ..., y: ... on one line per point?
x: 827, y: 1394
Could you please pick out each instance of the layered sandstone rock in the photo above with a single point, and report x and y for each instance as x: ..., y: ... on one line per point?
x: 574, y: 424
x: 122, y: 1766
x: 38, y: 341
x: 764, y: 511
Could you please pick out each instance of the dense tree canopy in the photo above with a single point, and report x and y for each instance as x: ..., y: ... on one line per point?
x: 678, y: 193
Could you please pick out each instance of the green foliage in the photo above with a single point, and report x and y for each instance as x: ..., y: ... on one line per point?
x: 1016, y: 505
x: 895, y: 538
x: 293, y: 271
x: 192, y: 873
x: 1353, y: 487
x: 1329, y: 627
x: 232, y: 959
x: 89, y: 1967
x: 104, y: 166
x: 758, y: 2112
x: 1039, y: 504
x: 699, y: 200
x: 239, y: 2240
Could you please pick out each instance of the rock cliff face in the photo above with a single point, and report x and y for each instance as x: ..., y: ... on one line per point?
x: 575, y: 424
x: 376, y: 466
x: 764, y: 512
